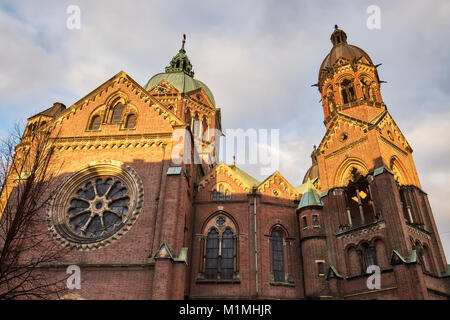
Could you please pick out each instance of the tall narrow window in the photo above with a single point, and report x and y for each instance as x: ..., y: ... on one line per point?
x: 305, y: 222
x: 117, y: 113
x: 320, y: 268
x: 212, y: 254
x: 221, y: 195
x: 347, y: 91
x: 227, y: 266
x: 95, y: 123
x: 315, y: 220
x: 278, y: 256
x: 131, y: 121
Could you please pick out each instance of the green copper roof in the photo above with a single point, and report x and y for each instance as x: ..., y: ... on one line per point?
x: 245, y: 176
x: 398, y: 258
x: 310, y: 197
x: 180, y: 75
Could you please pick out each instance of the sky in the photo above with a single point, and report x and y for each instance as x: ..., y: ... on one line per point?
x: 259, y: 58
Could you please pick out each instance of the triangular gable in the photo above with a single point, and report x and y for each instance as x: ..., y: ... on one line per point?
x: 199, y: 95
x: 223, y: 169
x: 277, y: 182
x: 333, y: 273
x: 164, y: 252
x: 134, y: 87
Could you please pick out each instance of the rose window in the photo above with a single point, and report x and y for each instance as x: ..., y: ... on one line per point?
x: 99, y: 207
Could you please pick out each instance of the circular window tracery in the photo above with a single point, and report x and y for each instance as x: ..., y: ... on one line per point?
x: 96, y: 205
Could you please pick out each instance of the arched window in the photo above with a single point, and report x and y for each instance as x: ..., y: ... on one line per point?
x: 130, y: 123
x: 220, y: 248
x: 278, y: 256
x: 95, y: 123
x: 117, y: 113
x: 354, y: 264
x: 212, y: 255
x: 347, y: 91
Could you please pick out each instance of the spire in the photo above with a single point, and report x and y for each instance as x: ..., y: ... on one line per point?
x: 181, y: 63
x: 338, y: 36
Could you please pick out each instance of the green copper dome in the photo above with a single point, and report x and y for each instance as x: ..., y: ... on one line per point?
x: 180, y: 75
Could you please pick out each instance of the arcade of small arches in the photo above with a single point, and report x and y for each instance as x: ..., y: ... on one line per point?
x: 360, y: 256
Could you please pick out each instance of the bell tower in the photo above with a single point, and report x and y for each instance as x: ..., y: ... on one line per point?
x: 359, y: 126
x: 373, y: 204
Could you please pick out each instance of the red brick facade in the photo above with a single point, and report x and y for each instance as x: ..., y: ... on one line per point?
x: 371, y: 209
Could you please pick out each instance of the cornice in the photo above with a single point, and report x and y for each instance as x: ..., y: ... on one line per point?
x: 112, y: 141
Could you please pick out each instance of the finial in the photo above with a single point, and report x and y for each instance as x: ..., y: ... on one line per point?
x: 183, y: 41
x: 234, y: 160
x: 336, y: 27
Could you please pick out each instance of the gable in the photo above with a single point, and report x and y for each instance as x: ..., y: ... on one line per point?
x: 199, y: 95
x: 391, y: 133
x: 163, y: 88
x: 334, y: 137
x: 277, y: 186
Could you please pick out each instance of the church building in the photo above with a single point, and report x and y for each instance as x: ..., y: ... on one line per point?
x: 143, y: 226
